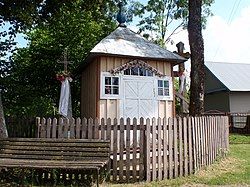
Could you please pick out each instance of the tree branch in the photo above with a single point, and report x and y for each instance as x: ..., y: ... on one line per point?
x: 173, y: 32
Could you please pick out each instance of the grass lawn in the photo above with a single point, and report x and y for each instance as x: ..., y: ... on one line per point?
x: 234, y: 170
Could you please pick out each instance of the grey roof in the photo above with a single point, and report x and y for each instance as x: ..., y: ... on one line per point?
x: 124, y: 42
x: 235, y: 76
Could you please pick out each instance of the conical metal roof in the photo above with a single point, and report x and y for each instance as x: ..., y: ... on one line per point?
x: 124, y: 42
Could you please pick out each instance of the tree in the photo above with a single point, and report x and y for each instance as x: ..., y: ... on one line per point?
x: 158, y: 17
x: 22, y: 15
x: 196, y: 106
x: 30, y: 86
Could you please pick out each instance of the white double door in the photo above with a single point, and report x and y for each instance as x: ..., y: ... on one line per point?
x: 139, y: 99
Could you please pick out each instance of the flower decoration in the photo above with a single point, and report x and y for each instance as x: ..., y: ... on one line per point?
x: 139, y: 64
x: 62, y: 75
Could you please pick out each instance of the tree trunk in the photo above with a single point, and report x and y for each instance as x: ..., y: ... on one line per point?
x: 196, y: 107
x: 3, y: 129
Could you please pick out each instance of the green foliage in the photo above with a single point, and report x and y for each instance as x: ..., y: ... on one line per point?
x: 165, y: 17
x: 30, y: 85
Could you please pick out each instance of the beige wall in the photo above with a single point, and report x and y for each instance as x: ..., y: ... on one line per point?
x: 90, y: 90
x: 240, y: 102
x: 110, y: 108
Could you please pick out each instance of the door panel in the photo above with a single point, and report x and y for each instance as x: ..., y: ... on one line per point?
x: 139, y: 98
x: 131, y: 89
x: 147, y: 109
x: 146, y: 90
x: 131, y: 108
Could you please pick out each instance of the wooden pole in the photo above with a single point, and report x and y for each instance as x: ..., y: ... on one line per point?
x: 181, y: 70
x: 3, y: 128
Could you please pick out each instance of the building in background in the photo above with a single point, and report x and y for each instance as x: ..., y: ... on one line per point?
x: 227, y: 87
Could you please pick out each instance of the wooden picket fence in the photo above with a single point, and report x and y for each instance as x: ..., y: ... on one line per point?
x: 151, y: 149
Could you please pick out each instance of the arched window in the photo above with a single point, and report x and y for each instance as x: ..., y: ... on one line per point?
x: 138, y: 71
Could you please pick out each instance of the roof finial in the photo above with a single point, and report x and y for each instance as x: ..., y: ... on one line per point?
x: 121, y: 17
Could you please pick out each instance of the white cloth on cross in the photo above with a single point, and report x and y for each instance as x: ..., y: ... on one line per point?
x: 65, y: 105
x: 182, y: 79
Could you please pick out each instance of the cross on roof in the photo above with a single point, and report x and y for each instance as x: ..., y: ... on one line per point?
x: 65, y: 60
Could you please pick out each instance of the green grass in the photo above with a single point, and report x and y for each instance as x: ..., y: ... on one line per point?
x: 237, y: 138
x: 232, y: 170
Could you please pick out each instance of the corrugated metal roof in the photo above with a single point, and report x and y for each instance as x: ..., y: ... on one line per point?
x: 235, y: 76
x: 125, y: 42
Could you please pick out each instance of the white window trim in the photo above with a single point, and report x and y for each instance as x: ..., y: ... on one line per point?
x: 102, y: 87
x: 164, y: 97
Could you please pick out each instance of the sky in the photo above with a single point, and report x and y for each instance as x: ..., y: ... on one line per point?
x: 226, y: 37
x: 227, y: 33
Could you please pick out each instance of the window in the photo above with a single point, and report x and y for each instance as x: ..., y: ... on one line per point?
x: 136, y: 71
x: 163, y: 87
x: 112, y: 85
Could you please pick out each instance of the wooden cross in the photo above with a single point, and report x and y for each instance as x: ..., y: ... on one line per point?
x: 65, y: 60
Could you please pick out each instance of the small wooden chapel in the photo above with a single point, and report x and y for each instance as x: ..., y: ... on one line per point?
x: 126, y: 75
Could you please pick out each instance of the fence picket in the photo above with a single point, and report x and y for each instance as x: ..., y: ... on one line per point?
x: 148, y: 150
x: 227, y: 132
x: 128, y: 150
x: 43, y: 128
x: 38, y: 124
x: 78, y: 128
x: 206, y: 140
x: 165, y: 148
x: 84, y: 128
x: 115, y: 148
x: 72, y: 128
x: 209, y: 121
x: 102, y: 129
x: 159, y: 142
x: 142, y: 151
x: 195, y: 143
x: 180, y: 140
x: 170, y: 123
x: 108, y: 137
x: 201, y: 142
x: 60, y: 128
x: 54, y: 127
x: 175, y: 149
x: 198, y: 126
x: 134, y: 162
x: 153, y: 149
x: 90, y: 128
x: 213, y: 139
x: 185, y: 143
x: 191, y: 146
x: 48, y: 128
x: 96, y: 128
x: 121, y: 149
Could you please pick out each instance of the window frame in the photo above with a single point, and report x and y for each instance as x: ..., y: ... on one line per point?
x: 170, y: 87
x: 103, y: 95
x: 138, y: 72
